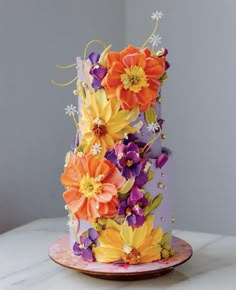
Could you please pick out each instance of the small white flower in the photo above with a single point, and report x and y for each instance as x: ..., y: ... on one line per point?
x: 96, y: 149
x: 157, y: 15
x: 155, y: 40
x: 71, y: 223
x: 70, y: 110
x: 127, y: 249
x: 153, y: 127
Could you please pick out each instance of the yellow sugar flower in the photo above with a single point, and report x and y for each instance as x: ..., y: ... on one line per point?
x: 103, y: 123
x: 132, y: 245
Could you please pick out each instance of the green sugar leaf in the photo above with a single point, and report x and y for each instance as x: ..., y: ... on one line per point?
x: 150, y: 115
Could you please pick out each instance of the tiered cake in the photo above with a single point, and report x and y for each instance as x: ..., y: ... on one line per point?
x: 116, y: 174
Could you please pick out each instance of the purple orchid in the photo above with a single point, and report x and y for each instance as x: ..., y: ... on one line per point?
x: 83, y: 248
x: 132, y: 208
x: 128, y: 159
x: 97, y: 71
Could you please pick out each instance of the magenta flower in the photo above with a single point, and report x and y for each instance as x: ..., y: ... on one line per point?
x: 97, y: 71
x: 132, y: 208
x: 161, y: 160
x: 84, y: 247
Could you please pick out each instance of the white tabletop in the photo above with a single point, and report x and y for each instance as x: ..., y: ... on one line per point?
x: 24, y: 263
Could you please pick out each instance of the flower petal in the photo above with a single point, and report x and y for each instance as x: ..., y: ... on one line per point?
x: 151, y: 254
x: 107, y: 255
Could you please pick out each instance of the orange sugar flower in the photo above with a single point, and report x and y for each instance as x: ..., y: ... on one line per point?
x: 133, y: 77
x: 91, y: 187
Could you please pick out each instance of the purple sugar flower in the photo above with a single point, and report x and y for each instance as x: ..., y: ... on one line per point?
x: 132, y: 208
x: 97, y: 71
x: 83, y: 248
x: 128, y: 159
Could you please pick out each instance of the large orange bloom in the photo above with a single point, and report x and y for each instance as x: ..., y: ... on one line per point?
x: 91, y: 187
x: 133, y: 77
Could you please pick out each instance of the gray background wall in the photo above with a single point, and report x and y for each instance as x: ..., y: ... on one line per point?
x: 199, y: 100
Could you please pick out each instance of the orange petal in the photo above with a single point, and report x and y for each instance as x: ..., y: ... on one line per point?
x: 112, y: 57
x: 71, y: 194
x: 91, y: 209
x: 128, y: 50
x: 154, y: 68
x: 128, y: 98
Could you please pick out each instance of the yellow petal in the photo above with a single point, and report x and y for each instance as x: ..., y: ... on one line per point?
x: 106, y: 255
x: 110, y: 238
x: 149, y: 222
x: 127, y: 234
x: 157, y: 234
x: 151, y: 254
x: 145, y: 244
x: 112, y: 224
x: 116, y: 125
x: 139, y: 235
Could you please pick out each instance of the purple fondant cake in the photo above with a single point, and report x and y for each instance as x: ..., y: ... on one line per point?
x: 117, y: 174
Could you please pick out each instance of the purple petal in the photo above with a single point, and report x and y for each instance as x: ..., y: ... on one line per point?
x: 111, y: 156
x: 137, y: 210
x: 87, y: 255
x: 76, y: 249
x: 96, y: 84
x: 141, y: 179
x: 131, y: 219
x: 122, y: 161
x: 135, y: 195
x: 139, y: 220
x: 132, y: 155
x: 87, y: 243
x: 93, y: 235
x: 161, y: 160
x: 99, y: 73
x: 132, y: 147
x: 161, y: 121
x: 94, y: 57
x: 143, y: 201
x: 167, y: 65
x: 136, y: 168
x: 131, y: 138
x: 122, y: 207
x: 126, y: 172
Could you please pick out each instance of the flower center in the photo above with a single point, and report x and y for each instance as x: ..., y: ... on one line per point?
x: 99, y: 130
x: 129, y: 162
x: 134, y: 79
x: 130, y: 256
x: 89, y: 186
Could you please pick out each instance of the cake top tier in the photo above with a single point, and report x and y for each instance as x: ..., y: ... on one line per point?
x: 118, y: 96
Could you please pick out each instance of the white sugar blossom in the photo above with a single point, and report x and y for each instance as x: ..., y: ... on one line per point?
x: 153, y: 127
x: 157, y: 15
x: 155, y: 40
x: 70, y: 110
x: 71, y: 223
x: 96, y: 149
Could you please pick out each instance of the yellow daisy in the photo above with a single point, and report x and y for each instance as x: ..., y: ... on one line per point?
x: 132, y: 245
x: 103, y: 123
